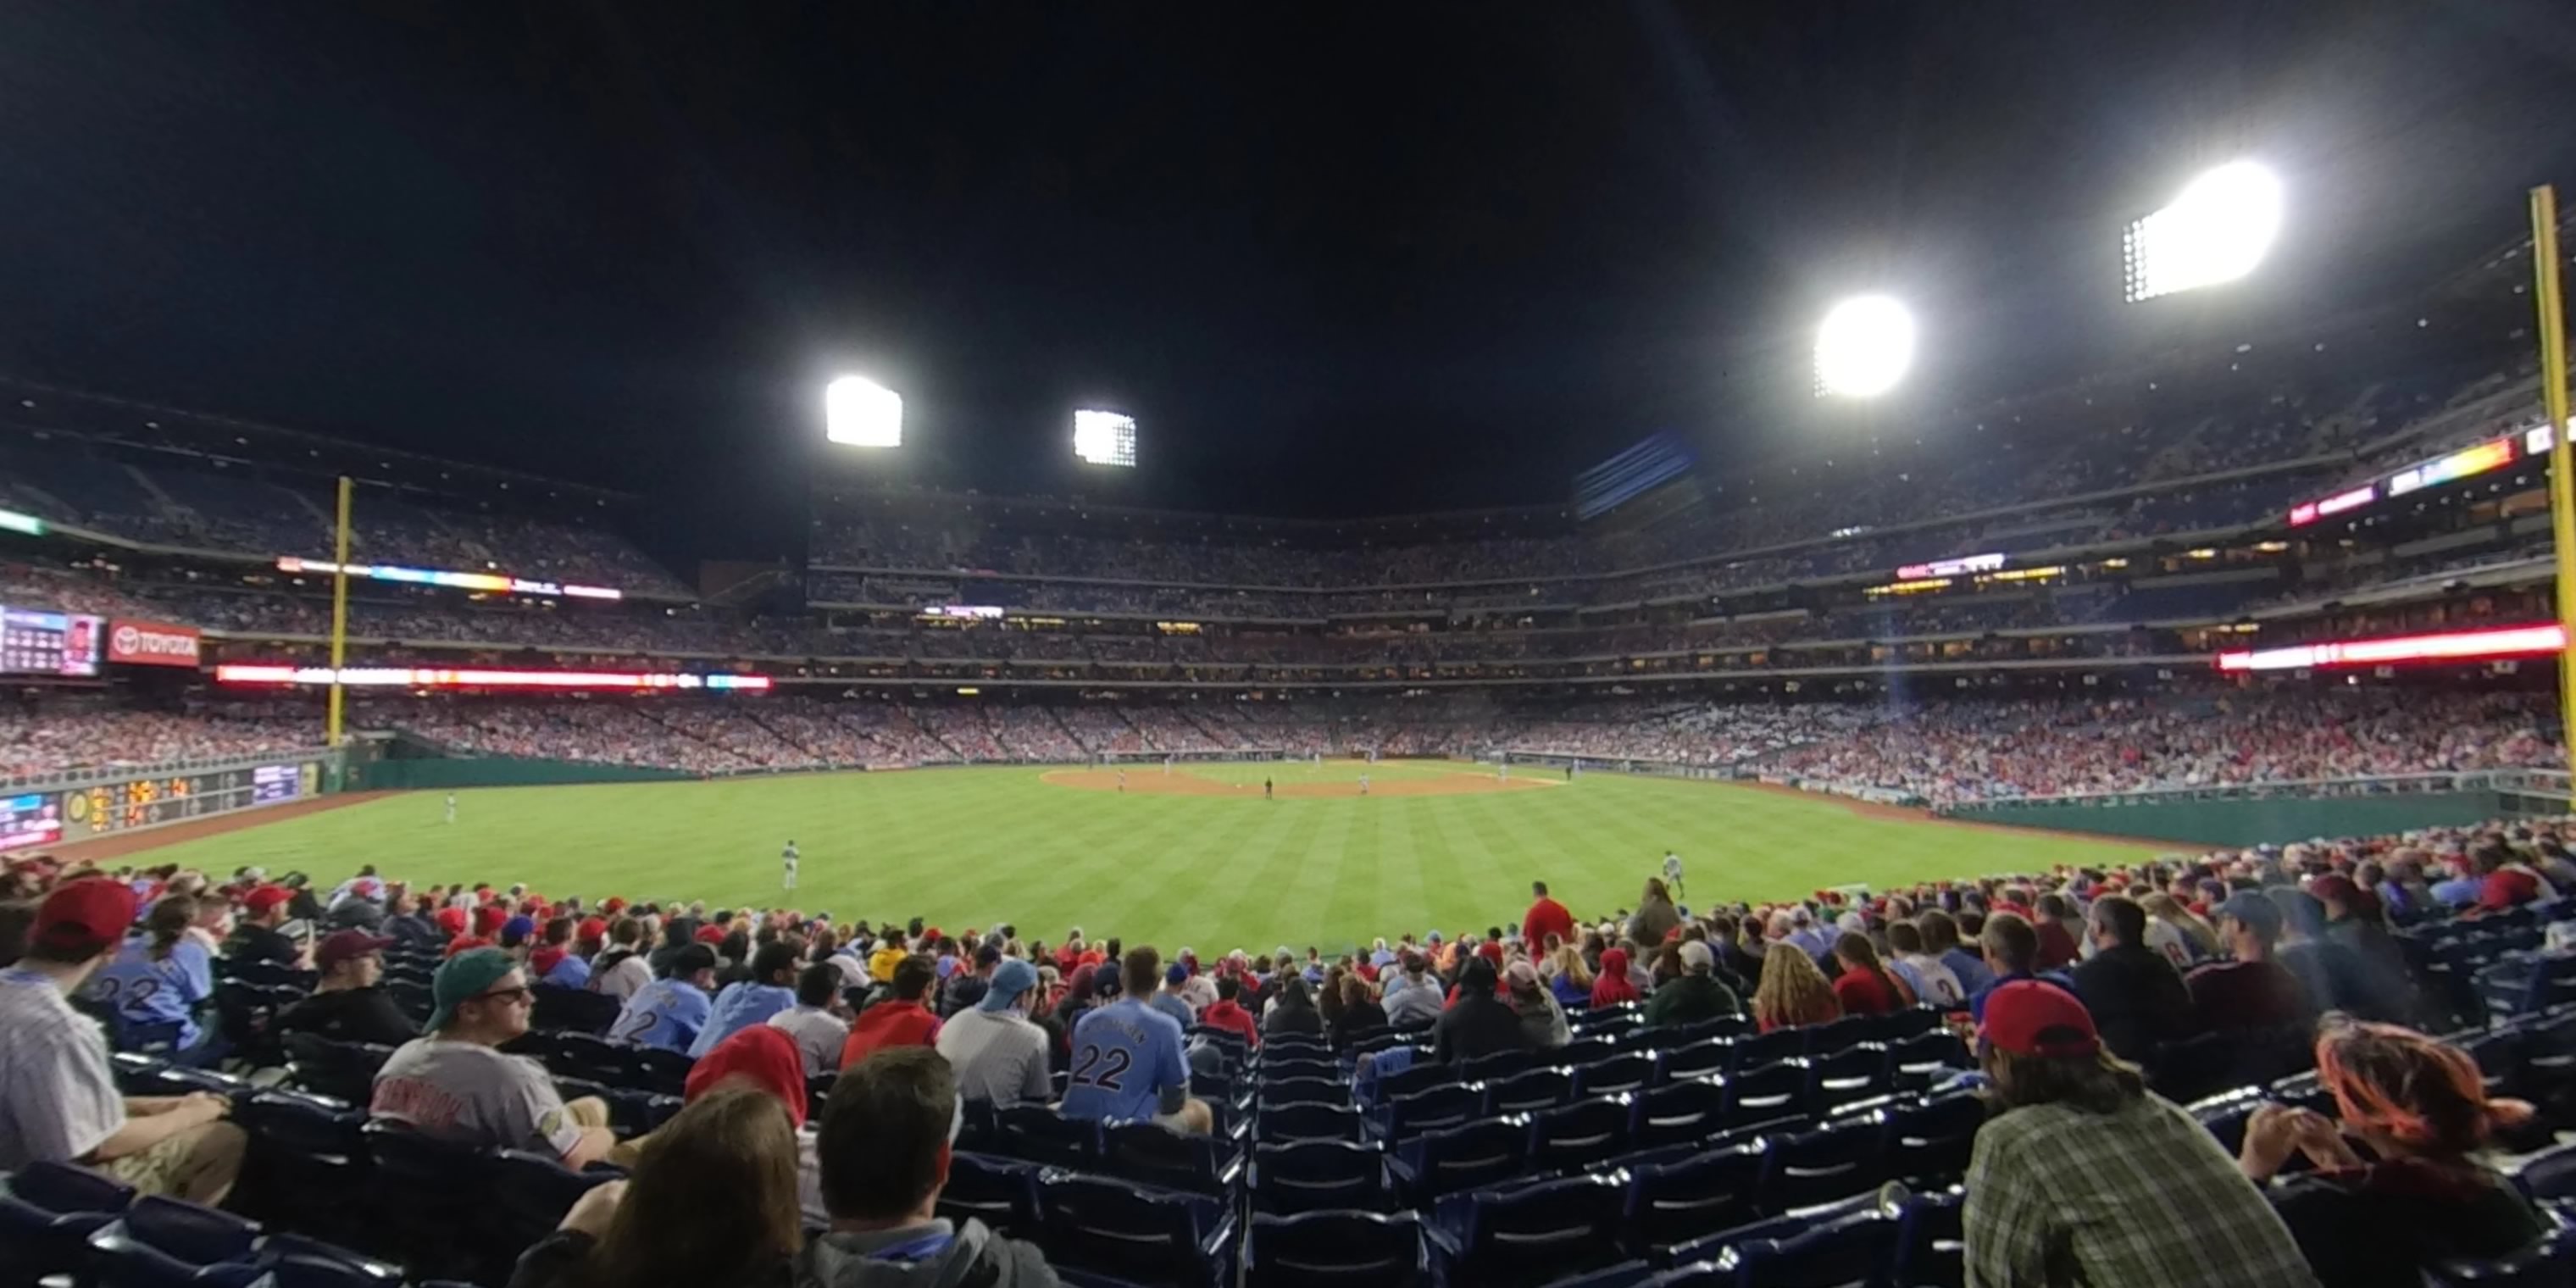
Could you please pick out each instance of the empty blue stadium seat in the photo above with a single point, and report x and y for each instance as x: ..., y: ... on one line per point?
x: 1337, y: 1250
x: 1833, y: 1162
x: 1582, y: 1051
x: 1931, y: 1141
x: 344, y: 1071
x: 1419, y: 1077
x: 1528, y: 1091
x: 1283, y: 1123
x: 1766, y: 1048
x: 1501, y: 1064
x: 1630, y: 1072
x: 1140, y: 1235
x: 1429, y: 1109
x: 1857, y: 1249
x: 1529, y: 1234
x: 1305, y: 1091
x: 1280, y: 1069
x: 1315, y: 1175
x: 1000, y: 1192
x: 1038, y: 1134
x: 162, y: 1242
x: 1698, y: 1059
x: 1856, y: 1072
x: 47, y: 1217
x: 1670, y: 1204
x: 1916, y: 1062
x: 1152, y: 1154
x: 307, y: 1158
x: 1579, y: 1134
x: 1929, y: 1242
x: 1770, y: 1091
x: 1484, y: 1152
x: 1679, y: 1112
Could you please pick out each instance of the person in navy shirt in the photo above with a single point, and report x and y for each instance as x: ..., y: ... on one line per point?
x: 669, y: 1012
x: 162, y: 975
x: 1128, y: 1061
x: 2012, y: 953
x: 744, y: 1003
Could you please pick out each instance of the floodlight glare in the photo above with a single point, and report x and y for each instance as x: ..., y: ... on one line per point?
x: 1105, y: 438
x: 1864, y: 347
x: 2216, y: 231
x: 862, y: 413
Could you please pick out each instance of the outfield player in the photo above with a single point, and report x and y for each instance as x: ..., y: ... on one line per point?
x: 789, y: 856
x: 451, y: 807
x: 1673, y: 872
x: 1265, y: 790
x: 1363, y: 784
x: 1122, y: 780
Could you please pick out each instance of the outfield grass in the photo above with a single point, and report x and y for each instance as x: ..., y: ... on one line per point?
x: 969, y: 847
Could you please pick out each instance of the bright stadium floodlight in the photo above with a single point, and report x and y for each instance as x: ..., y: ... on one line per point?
x: 1105, y: 438
x: 2216, y: 231
x: 1864, y: 347
x: 862, y: 413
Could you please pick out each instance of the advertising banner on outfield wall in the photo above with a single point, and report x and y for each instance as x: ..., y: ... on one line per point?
x: 151, y: 644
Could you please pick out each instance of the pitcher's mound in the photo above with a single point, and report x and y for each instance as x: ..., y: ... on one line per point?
x: 1155, y: 782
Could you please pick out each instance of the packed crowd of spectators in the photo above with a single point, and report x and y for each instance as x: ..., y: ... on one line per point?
x: 2103, y: 999
x: 1966, y: 751
x: 76, y: 735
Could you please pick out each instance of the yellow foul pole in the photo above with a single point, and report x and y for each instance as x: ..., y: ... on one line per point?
x: 339, y: 613
x: 2562, y: 479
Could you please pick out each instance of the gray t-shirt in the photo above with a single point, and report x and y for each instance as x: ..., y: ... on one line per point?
x: 998, y: 1056
x: 474, y: 1095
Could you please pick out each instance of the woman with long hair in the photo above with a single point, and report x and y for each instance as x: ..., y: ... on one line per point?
x: 2421, y: 1106
x: 1328, y: 998
x: 712, y: 1202
x: 1612, y: 987
x: 1542, y: 1020
x: 1572, y: 982
x: 1295, y: 1012
x: 161, y: 976
x: 1866, y: 986
x: 1793, y: 991
x: 1360, y: 1012
x: 1655, y: 917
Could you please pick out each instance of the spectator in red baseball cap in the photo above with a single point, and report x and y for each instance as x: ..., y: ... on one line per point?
x: 258, y: 938
x: 58, y: 1097
x: 2085, y: 1176
x: 348, y: 1005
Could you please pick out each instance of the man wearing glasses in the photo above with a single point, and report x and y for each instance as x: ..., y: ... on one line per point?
x: 455, y: 1084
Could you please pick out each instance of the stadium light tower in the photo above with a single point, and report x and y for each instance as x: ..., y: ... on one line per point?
x: 1105, y: 438
x: 862, y: 413
x: 2216, y: 231
x: 1864, y: 347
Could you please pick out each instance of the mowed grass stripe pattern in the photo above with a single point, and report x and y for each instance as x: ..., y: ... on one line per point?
x: 969, y: 847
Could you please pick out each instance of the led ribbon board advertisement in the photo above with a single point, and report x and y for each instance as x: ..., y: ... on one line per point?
x: 2493, y: 454
x: 493, y: 583
x: 1951, y: 567
x: 2455, y: 646
x: 421, y: 677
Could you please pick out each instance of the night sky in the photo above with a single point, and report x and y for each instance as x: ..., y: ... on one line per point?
x: 1335, y: 259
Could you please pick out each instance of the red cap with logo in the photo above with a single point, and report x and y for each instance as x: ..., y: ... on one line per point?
x: 89, y: 911
x: 266, y: 897
x: 2028, y: 1017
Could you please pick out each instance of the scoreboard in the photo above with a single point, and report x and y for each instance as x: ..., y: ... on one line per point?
x: 121, y: 804
x: 33, y: 819
x: 34, y: 641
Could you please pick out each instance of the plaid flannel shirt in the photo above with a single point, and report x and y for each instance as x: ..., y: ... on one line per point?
x: 2060, y: 1196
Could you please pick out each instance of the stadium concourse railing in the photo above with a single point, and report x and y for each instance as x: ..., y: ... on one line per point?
x: 2250, y: 813
x: 86, y: 803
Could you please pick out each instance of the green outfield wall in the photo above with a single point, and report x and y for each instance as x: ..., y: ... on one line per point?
x: 448, y: 773
x: 2247, y: 820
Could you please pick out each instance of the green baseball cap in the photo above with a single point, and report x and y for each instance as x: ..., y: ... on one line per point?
x: 464, y: 977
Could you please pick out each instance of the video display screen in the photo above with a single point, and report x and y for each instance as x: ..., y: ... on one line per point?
x: 275, y: 783
x: 33, y: 819
x: 36, y: 642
